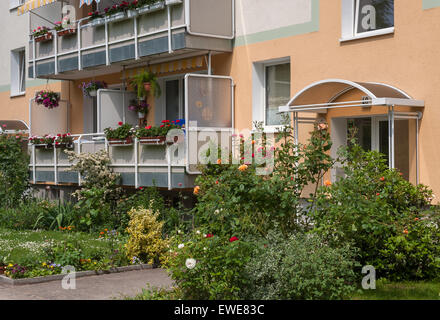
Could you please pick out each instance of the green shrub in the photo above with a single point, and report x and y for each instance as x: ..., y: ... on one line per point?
x: 145, y: 242
x: 414, y: 254
x: 369, y: 205
x: 14, y: 170
x: 208, y: 266
x: 302, y: 267
x: 234, y: 199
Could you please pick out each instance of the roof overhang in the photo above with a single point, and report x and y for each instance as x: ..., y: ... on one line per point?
x: 32, y: 5
x: 321, y: 95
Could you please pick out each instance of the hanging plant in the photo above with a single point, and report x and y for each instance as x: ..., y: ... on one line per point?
x: 47, y: 98
x: 144, y: 83
x: 90, y: 88
x: 141, y: 107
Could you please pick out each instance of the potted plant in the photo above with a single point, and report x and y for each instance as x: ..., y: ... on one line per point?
x: 157, y: 135
x: 90, y: 89
x: 42, y: 34
x: 64, y: 141
x: 144, y: 83
x: 141, y: 107
x: 96, y: 19
x: 45, y: 142
x: 61, y: 31
x: 47, y: 98
x: 151, y: 6
x: 121, y: 136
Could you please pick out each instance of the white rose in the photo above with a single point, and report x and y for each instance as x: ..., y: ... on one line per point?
x: 190, y: 263
x: 198, y: 231
x: 180, y: 246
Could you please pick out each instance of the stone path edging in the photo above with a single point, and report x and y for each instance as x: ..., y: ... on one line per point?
x: 54, y: 277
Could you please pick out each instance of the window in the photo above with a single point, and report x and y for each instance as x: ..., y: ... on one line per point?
x: 18, y: 72
x: 270, y: 90
x: 365, y: 18
x: 277, y: 91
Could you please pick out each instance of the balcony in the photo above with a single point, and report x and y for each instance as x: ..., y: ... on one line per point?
x: 164, y: 31
x: 209, y: 109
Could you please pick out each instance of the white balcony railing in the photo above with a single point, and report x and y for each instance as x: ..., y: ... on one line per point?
x: 57, y: 161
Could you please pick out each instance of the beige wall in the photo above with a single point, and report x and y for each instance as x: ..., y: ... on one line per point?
x: 407, y: 59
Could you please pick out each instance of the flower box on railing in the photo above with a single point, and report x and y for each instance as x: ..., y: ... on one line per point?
x: 132, y: 13
x: 68, y: 146
x: 115, y: 17
x: 156, y: 140
x: 66, y: 32
x: 97, y: 22
x: 173, y: 2
x: 44, y: 146
x: 121, y: 142
x: 153, y: 140
x: 152, y: 7
x: 46, y: 37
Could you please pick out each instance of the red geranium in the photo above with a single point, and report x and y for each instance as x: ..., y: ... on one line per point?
x: 120, y: 123
x: 209, y: 235
x: 233, y: 239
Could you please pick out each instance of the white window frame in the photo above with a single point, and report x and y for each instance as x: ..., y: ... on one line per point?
x: 349, y: 22
x: 259, y: 88
x: 18, y: 75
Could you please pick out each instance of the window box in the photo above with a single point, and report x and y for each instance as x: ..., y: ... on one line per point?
x: 97, y: 22
x: 66, y: 32
x: 68, y: 146
x: 172, y: 2
x: 116, y: 17
x: 153, y: 140
x: 121, y: 142
x: 132, y: 13
x: 47, y: 37
x: 44, y: 146
x: 152, y: 7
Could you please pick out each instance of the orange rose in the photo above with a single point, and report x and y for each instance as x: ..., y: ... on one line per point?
x: 405, y: 231
x: 219, y: 161
x: 243, y: 167
x: 327, y: 183
x: 196, y: 190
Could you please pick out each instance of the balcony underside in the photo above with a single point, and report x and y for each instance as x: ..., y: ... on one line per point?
x: 93, y: 63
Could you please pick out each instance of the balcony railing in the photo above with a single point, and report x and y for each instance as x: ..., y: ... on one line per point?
x: 138, y: 164
x: 179, y: 27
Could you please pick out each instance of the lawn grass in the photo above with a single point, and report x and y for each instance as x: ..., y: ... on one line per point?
x: 408, y: 290
x: 20, y: 246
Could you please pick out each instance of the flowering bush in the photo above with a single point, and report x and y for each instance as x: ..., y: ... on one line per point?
x: 369, y: 205
x: 208, y: 267
x: 122, y: 132
x: 233, y: 198
x: 47, y: 98
x: 87, y: 87
x: 414, y: 253
x: 145, y: 240
x: 302, y: 267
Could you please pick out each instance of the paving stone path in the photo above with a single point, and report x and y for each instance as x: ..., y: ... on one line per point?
x: 102, y: 287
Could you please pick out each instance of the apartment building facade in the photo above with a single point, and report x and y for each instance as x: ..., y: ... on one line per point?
x: 369, y: 64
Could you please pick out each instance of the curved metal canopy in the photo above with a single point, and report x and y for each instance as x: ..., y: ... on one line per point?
x: 322, y: 94
x: 13, y: 126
